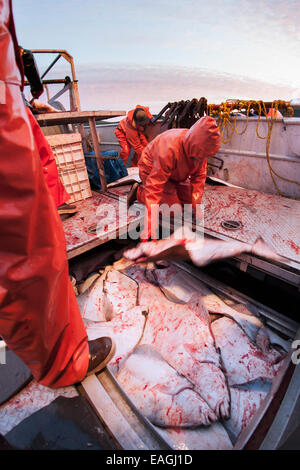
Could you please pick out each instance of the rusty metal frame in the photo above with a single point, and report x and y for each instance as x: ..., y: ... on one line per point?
x: 70, y: 84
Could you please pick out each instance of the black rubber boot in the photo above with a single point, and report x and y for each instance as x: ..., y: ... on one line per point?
x: 102, y: 351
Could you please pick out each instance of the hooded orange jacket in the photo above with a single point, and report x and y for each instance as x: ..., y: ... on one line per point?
x: 173, y: 157
x: 131, y: 137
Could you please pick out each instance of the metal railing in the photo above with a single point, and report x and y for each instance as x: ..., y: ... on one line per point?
x: 70, y: 83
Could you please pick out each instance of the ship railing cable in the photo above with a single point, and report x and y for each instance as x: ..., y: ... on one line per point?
x: 224, y: 113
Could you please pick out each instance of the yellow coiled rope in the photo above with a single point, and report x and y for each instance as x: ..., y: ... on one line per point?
x: 223, y: 113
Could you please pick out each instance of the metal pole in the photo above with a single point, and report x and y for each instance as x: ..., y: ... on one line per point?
x: 98, y: 155
x: 51, y: 65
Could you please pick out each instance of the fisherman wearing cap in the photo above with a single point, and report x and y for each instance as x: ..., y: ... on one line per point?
x: 130, y: 133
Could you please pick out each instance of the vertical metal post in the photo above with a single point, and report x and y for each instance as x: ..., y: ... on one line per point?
x: 2, y: 352
x: 47, y: 91
x: 98, y: 155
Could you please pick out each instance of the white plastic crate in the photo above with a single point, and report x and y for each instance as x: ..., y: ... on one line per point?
x: 69, y: 157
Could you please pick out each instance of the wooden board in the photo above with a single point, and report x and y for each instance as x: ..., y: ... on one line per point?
x: 76, y: 117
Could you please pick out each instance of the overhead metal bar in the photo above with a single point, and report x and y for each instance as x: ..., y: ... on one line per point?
x: 50, y: 66
x: 53, y: 81
x: 75, y: 102
x: 61, y: 92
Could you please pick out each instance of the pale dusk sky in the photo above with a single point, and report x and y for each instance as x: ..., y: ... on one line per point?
x: 129, y: 52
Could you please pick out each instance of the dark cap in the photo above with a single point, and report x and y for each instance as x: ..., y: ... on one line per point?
x: 140, y: 117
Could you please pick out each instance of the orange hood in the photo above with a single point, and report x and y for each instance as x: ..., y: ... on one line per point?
x: 202, y: 139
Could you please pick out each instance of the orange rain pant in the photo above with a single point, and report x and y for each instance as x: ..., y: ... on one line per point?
x: 39, y: 317
x: 57, y: 189
x: 131, y: 137
x: 125, y: 147
x: 173, y: 193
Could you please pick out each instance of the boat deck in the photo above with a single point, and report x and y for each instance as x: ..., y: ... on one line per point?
x: 80, y: 229
x: 276, y: 219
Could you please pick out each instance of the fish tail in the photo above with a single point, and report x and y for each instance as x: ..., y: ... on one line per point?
x: 261, y: 248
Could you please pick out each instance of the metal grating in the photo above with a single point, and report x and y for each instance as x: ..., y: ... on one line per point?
x: 79, y: 229
x: 276, y: 219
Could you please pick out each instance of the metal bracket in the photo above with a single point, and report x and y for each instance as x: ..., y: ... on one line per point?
x: 244, y: 266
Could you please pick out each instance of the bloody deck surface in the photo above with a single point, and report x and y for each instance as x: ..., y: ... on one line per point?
x: 29, y: 400
x: 276, y: 219
x: 109, y: 213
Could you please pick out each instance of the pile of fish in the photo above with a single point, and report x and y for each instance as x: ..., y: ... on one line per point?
x: 194, y: 366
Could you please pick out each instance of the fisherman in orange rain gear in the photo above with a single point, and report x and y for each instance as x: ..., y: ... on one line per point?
x: 130, y: 133
x: 40, y: 319
x: 173, y: 168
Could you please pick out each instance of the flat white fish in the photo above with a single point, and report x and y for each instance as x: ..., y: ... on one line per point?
x: 244, y: 405
x: 181, y: 370
x: 113, y: 292
x: 120, y: 293
x: 213, y: 250
x: 125, y: 329
x: 90, y: 302
x: 165, y: 397
x: 243, y: 361
x: 112, y: 302
x: 201, y: 251
x: 181, y: 333
x: 182, y: 286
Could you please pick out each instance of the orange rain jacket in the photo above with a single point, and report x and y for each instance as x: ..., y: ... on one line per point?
x: 173, y: 166
x: 129, y: 136
x: 39, y: 317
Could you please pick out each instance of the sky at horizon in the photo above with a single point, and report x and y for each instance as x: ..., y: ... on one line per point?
x: 129, y: 52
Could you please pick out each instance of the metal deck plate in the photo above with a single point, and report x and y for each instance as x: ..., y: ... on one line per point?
x: 276, y: 219
x: 14, y: 375
x: 29, y: 400
x: 119, y: 191
x: 64, y: 424
x: 78, y: 236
